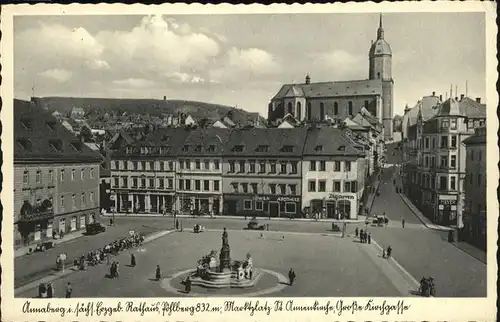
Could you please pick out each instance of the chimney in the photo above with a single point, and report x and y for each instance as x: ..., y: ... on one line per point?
x: 308, y: 79
x: 441, y: 97
x: 433, y: 93
x: 478, y: 99
x: 462, y: 96
x: 164, y: 98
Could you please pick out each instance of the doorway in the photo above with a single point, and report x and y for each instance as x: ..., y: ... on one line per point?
x: 49, y: 230
x: 274, y: 209
x: 330, y: 210
x: 82, y: 221
x: 73, y: 223
x: 62, y: 225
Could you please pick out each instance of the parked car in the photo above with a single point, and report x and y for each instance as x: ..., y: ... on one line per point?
x: 41, y: 247
x: 95, y: 228
x: 253, y: 224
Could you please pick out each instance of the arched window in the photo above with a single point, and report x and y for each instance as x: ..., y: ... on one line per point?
x: 309, y: 111
x: 290, y: 108
x: 336, y: 108
x: 378, y: 75
x: 322, y: 111
x: 299, y: 111
x: 350, y: 107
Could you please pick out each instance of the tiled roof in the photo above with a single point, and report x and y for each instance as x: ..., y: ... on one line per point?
x: 380, y: 47
x: 465, y: 107
x: 38, y: 135
x: 353, y: 125
x: 479, y: 137
x: 204, y: 142
x: 329, y: 141
x: 428, y: 108
x: 332, y: 89
x: 269, y: 142
x: 123, y: 135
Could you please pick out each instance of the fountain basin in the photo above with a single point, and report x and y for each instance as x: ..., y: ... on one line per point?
x: 225, y: 280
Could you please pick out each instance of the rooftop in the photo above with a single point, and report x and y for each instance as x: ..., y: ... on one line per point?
x: 329, y: 141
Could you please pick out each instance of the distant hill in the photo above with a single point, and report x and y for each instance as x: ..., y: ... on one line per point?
x: 99, y: 106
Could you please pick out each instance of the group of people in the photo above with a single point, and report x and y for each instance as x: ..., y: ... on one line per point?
x: 48, y: 290
x: 386, y: 253
x: 198, y: 229
x: 364, y: 236
x: 427, y: 287
x: 114, y: 270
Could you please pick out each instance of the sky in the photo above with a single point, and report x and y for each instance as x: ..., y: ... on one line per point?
x: 242, y: 60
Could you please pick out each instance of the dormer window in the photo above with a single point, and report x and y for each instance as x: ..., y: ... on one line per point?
x: 318, y: 148
x: 341, y: 148
x: 211, y: 148
x: 25, y: 144
x: 185, y: 148
x: 128, y: 150
x: 287, y: 148
x: 52, y: 125
x: 197, y: 148
x: 77, y: 145
x: 238, y: 148
x: 262, y: 148
x: 56, y: 144
x: 27, y: 122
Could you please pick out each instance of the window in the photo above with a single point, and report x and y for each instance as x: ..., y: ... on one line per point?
x: 38, y: 177
x: 366, y: 104
x: 442, y: 183
x: 62, y: 175
x: 162, y: 166
x: 444, y: 162
x: 454, y: 141
x: 322, y: 165
x: 444, y: 142
x: 244, y: 187
x: 287, y: 148
x: 312, y: 165
x: 282, y: 190
x: 312, y: 186
x: 170, y: 183
x: 299, y: 111
x: 309, y: 111
x: 197, y: 148
x: 290, y: 108
x: 185, y: 148
x: 426, y: 143
x: 216, y: 164
x: 272, y: 188
x: 181, y: 184
x: 82, y: 174
x: 152, y: 166
x: 73, y: 174
x: 216, y: 185
x: 283, y: 167
x: 26, y: 177
x: 188, y: 184
x: 294, y: 167
x: 262, y: 166
x: 335, y: 108
x: 347, y: 186
x: 426, y: 161
x: 254, y: 188
x: 445, y: 124
x: 232, y: 168
x: 238, y: 148
x: 453, y: 123
x: 206, y: 185
x: 62, y: 201
x: 453, y: 162
x: 336, y: 166
x: 235, y: 186
x: 181, y: 164
x: 143, y: 183
x: 207, y: 164
x: 273, y: 167
x: 322, y: 111
x: 197, y: 164
x: 433, y: 143
x: 116, y: 182
x: 197, y: 185
x: 350, y: 107
x: 259, y: 205
x: 347, y: 166
x: 336, y: 186
x: 92, y: 173
x: 151, y: 183
x: 187, y: 164
x: 293, y: 189
x: 453, y: 183
x: 134, y: 182
x: 211, y: 148
x: 247, y: 204
x: 82, y: 201
x: 73, y: 200
x: 290, y: 207
x: 262, y: 148
x: 242, y: 166
x: 125, y: 182
x: 252, y: 166
x: 171, y: 165
x: 51, y: 176
x: 321, y: 185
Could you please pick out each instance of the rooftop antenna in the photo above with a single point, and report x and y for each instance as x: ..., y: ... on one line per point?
x: 451, y: 91
x: 456, y: 90
x: 33, y: 90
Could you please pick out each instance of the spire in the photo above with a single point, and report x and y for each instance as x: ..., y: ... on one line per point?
x: 380, y: 31
x: 308, y: 79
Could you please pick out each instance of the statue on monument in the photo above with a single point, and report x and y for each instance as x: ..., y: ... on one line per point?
x: 224, y: 238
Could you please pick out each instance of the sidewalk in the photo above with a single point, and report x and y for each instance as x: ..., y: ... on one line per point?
x: 67, y: 237
x: 69, y: 270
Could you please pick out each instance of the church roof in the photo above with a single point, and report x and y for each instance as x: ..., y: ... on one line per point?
x: 331, y: 89
x: 380, y: 47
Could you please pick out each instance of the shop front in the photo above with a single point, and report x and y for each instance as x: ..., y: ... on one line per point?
x: 447, y: 209
x: 271, y: 206
x: 334, y: 206
x: 35, y: 222
x: 199, y: 203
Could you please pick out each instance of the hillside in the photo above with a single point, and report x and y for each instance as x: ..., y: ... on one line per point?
x: 99, y: 106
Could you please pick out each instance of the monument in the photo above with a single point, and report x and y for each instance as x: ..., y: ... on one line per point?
x: 226, y: 273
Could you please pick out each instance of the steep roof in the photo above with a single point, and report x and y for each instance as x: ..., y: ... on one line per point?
x: 353, y: 125
x: 257, y: 142
x: 328, y: 141
x: 479, y: 137
x: 465, y: 107
x: 428, y: 107
x: 204, y: 142
x: 332, y: 89
x: 124, y: 135
x: 39, y: 136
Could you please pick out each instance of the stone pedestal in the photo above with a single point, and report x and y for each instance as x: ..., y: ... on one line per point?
x: 240, y: 273
x: 225, y: 258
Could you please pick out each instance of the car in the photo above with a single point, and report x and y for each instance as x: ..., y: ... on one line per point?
x: 41, y: 247
x: 254, y: 225
x: 94, y: 228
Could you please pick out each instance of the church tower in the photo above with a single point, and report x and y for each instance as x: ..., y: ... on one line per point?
x: 381, y: 68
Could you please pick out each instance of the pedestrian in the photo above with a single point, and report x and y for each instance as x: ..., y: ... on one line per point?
x: 132, y: 260
x: 369, y: 238
x: 187, y: 285
x: 50, y: 290
x: 69, y: 290
x: 177, y: 224
x: 356, y: 232
x: 108, y: 257
x: 361, y: 235
x: 389, y: 252
x: 403, y: 223
x: 117, y: 269
x: 291, y: 276
x: 158, y: 272
x: 383, y: 253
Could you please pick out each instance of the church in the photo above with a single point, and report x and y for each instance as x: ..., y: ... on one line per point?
x: 337, y: 100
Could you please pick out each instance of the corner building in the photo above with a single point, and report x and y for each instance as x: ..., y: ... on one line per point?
x: 262, y: 172
x: 56, y: 177
x: 320, y: 101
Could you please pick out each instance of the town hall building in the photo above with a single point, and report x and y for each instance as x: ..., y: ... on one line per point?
x: 336, y: 100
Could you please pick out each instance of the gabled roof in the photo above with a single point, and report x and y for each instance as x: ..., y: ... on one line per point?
x: 124, y: 135
x: 362, y: 121
x: 328, y: 141
x: 270, y: 142
x: 427, y: 106
x: 204, y: 142
x: 353, y: 125
x: 331, y: 89
x: 39, y: 136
